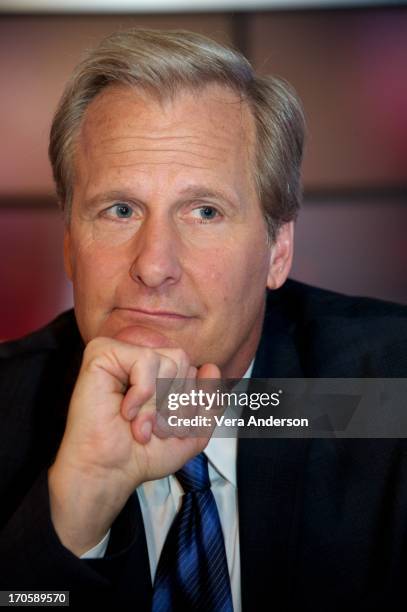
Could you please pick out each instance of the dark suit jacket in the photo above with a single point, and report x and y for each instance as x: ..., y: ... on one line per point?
x: 323, y: 523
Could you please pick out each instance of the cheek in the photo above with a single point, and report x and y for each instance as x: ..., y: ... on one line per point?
x: 228, y: 275
x: 213, y: 273
x: 96, y: 272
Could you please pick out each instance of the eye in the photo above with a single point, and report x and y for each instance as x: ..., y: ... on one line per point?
x: 118, y: 211
x: 121, y: 210
x: 206, y: 213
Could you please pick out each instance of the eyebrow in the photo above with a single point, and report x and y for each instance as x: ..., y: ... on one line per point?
x: 197, y: 191
x: 107, y: 196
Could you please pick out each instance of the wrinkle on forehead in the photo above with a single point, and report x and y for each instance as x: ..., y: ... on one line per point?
x: 239, y: 114
x: 151, y: 137
x: 173, y: 135
x: 161, y: 150
x: 161, y: 147
x: 152, y: 163
x: 157, y: 156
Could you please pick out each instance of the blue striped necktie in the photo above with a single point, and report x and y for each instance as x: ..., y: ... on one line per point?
x: 192, y: 572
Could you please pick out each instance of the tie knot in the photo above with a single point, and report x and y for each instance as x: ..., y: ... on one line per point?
x: 194, y: 475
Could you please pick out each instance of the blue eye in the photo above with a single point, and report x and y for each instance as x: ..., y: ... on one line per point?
x: 123, y: 211
x: 207, y: 213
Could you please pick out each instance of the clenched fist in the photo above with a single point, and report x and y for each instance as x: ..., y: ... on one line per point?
x: 110, y: 445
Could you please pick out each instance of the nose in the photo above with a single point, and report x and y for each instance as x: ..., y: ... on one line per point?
x: 157, y: 259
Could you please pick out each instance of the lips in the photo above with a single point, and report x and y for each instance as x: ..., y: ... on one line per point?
x: 159, y: 320
x: 156, y: 313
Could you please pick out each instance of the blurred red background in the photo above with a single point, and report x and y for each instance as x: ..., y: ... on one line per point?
x: 349, y: 67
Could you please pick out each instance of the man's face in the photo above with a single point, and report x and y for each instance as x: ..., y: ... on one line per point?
x: 167, y: 244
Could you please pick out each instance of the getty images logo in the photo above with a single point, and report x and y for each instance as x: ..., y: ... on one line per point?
x: 218, y: 399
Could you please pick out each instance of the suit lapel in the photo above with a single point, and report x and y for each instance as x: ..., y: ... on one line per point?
x: 269, y: 480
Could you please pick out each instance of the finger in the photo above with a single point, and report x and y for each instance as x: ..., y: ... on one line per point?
x: 142, y: 426
x: 192, y: 372
x: 209, y: 370
x: 171, y: 384
x: 145, y: 415
x: 141, y: 380
x: 166, y: 389
x: 181, y: 359
x: 208, y: 380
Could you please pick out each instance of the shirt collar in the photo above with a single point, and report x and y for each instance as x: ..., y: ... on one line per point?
x: 222, y: 452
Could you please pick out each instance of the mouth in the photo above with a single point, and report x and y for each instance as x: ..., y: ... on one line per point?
x: 165, y: 318
x: 155, y: 314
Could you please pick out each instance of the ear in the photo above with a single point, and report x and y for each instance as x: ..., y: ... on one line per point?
x: 68, y: 253
x: 281, y: 256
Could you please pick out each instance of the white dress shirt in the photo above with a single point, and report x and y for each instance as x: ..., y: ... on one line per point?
x: 161, y: 499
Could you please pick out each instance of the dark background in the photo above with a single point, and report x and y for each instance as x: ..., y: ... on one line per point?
x: 349, y: 67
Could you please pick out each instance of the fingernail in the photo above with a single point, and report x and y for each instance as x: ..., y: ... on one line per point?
x: 146, y: 430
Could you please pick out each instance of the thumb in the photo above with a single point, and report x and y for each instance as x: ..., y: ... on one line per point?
x: 209, y: 370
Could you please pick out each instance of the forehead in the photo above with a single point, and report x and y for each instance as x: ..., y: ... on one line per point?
x: 213, y: 117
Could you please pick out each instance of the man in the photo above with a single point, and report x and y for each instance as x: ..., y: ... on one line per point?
x: 178, y: 173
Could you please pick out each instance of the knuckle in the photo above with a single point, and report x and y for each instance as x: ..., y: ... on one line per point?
x: 94, y: 348
x: 181, y: 358
x: 170, y: 366
x: 146, y: 390
x: 149, y: 355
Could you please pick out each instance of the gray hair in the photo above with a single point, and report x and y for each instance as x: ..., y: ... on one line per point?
x: 164, y: 61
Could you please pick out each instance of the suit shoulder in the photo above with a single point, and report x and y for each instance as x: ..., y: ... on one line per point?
x: 309, y: 302
x: 54, y: 336
x: 38, y: 358
x: 341, y: 335
x: 37, y: 375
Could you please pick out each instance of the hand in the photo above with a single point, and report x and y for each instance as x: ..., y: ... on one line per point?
x: 110, y: 444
